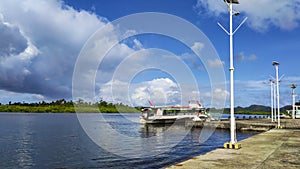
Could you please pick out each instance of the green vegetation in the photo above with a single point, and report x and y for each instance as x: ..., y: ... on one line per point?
x: 253, y: 109
x: 227, y: 111
x: 251, y: 112
x: 63, y: 106
x: 256, y: 110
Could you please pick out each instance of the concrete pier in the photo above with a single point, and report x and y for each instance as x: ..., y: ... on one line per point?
x: 249, y: 124
x: 276, y: 148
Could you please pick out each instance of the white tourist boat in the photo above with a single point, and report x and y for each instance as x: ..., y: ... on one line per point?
x: 169, y: 114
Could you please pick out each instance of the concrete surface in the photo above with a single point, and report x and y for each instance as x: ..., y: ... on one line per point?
x: 276, y: 148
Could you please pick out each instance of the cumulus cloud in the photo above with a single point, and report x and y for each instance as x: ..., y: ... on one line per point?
x: 12, y: 41
x: 114, y: 91
x: 16, y: 53
x: 219, y: 95
x: 40, y: 44
x: 161, y: 91
x: 261, y: 14
x: 41, y: 41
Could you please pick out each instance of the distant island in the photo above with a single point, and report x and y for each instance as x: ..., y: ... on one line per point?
x: 255, y: 109
x: 64, y: 106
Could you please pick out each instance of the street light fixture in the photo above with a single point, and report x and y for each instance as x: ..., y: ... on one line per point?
x: 233, y: 141
x: 293, y: 86
x: 237, y: 13
x: 232, y: 1
x: 275, y: 63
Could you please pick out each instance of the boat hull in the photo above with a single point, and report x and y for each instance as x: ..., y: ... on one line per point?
x: 170, y: 120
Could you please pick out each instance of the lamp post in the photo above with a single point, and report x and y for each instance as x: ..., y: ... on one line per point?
x: 293, y: 86
x: 272, y: 112
x: 233, y: 141
x: 276, y: 64
x: 274, y: 101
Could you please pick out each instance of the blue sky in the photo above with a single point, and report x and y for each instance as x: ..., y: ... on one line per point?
x: 41, y: 40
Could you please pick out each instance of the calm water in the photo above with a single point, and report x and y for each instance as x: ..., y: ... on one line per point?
x: 58, y: 141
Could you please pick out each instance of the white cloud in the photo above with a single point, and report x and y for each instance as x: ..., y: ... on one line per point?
x: 114, y: 91
x: 161, y: 91
x: 8, y: 96
x: 137, y: 44
x: 45, y: 38
x: 197, y: 47
x: 251, y: 85
x: 216, y: 63
x: 211, y: 7
x: 262, y: 14
x: 53, y: 35
x: 164, y: 91
x: 219, y: 95
x: 258, y: 92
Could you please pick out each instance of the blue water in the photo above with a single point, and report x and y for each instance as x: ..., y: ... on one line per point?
x: 31, y: 140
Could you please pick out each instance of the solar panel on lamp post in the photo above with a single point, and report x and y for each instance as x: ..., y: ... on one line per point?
x: 232, y: 1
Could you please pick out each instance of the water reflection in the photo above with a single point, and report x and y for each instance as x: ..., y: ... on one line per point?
x: 149, y: 130
x: 24, y: 151
x: 58, y: 141
x: 122, y: 137
x: 24, y: 145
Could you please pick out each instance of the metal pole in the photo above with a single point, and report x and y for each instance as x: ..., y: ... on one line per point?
x: 232, y: 120
x: 274, y: 100
x: 271, y: 84
x: 233, y: 141
x: 293, y: 112
x: 277, y: 90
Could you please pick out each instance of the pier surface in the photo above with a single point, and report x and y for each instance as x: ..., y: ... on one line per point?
x: 276, y: 148
x: 260, y: 125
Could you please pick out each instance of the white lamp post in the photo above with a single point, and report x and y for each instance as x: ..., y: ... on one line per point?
x: 276, y: 64
x: 274, y: 100
x: 272, y: 112
x: 233, y: 140
x: 293, y: 86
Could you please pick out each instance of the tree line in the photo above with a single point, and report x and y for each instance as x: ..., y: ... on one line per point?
x: 64, y: 106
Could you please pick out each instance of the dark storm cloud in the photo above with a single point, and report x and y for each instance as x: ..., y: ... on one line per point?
x: 54, y: 34
x: 39, y: 44
x: 11, y: 40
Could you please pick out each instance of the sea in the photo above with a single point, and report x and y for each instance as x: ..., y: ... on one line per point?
x: 63, y: 140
